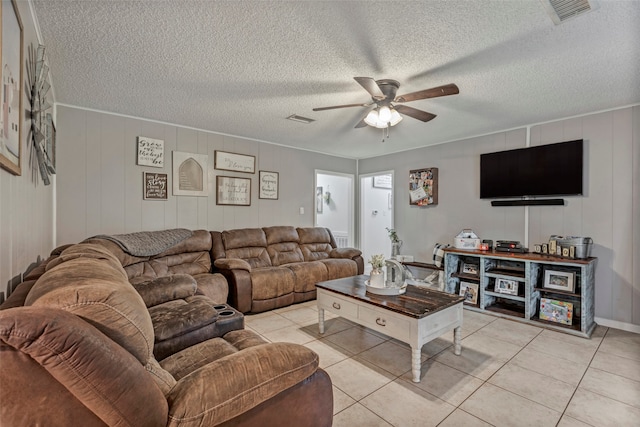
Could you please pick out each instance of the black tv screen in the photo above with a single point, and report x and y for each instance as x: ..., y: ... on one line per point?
x: 545, y: 170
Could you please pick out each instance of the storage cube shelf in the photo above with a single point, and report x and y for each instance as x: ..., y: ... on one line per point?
x: 513, y: 284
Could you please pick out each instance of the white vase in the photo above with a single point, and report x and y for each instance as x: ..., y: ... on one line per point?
x: 376, y: 278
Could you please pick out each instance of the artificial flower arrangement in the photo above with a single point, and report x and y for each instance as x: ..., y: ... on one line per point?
x: 377, y: 261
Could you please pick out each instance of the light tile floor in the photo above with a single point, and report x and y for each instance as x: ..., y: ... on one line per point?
x: 509, y: 373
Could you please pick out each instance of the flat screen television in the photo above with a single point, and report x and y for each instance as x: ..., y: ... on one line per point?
x: 544, y: 170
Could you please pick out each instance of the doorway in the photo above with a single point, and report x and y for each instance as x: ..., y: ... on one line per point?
x: 376, y: 215
x: 334, y: 205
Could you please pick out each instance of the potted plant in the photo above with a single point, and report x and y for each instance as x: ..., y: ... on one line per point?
x: 395, y: 242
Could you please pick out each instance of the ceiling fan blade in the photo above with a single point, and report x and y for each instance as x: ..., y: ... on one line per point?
x: 434, y: 92
x: 370, y: 86
x: 414, y: 112
x: 361, y: 124
x: 340, y: 106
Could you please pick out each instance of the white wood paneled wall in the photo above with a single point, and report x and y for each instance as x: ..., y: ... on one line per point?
x: 100, y: 185
x: 26, y: 204
x: 609, y: 211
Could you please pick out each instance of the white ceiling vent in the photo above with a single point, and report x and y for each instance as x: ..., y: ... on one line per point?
x: 297, y: 118
x: 561, y: 10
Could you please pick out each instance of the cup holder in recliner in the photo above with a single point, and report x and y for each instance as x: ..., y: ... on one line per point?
x: 226, y: 313
x: 220, y: 307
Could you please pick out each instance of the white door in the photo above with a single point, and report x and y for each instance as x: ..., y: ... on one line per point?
x: 376, y: 215
x: 334, y: 205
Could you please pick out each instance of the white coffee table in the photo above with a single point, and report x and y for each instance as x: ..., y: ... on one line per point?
x: 416, y: 317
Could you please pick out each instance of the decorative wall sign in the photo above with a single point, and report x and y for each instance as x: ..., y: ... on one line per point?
x: 150, y: 152
x: 233, y: 191
x: 234, y: 162
x: 423, y: 187
x: 11, y: 88
x: 190, y: 172
x: 155, y: 186
x: 268, y: 185
x: 382, y: 181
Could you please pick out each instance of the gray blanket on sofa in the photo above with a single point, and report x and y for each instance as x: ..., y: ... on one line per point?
x: 148, y: 243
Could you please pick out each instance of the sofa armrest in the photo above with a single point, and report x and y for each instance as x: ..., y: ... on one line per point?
x: 166, y: 288
x: 349, y: 253
x: 232, y: 264
x: 236, y: 383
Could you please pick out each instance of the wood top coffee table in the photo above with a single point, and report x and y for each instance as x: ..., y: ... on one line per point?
x: 416, y: 317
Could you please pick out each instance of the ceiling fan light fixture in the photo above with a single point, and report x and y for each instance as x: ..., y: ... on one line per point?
x: 384, y: 114
x: 372, y: 118
x: 395, y: 117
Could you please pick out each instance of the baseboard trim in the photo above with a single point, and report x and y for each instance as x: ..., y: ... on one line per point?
x: 629, y: 327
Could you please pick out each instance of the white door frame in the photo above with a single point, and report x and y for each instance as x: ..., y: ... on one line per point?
x: 363, y: 194
x: 350, y: 208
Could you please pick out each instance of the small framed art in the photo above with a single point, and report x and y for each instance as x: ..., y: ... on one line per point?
x: 469, y: 268
x: 470, y: 292
x: 560, y: 280
x: 506, y: 286
x: 233, y: 191
x: 268, y: 185
x: 556, y: 311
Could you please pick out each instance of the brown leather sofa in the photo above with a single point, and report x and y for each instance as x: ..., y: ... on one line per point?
x: 80, y: 351
x: 273, y: 267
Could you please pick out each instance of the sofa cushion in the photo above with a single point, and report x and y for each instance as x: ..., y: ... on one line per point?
x: 212, y: 285
x: 256, y: 257
x: 220, y: 391
x: 181, y: 316
x: 284, y: 253
x: 97, y: 292
x: 271, y: 282
x: 99, y: 373
x: 339, y: 268
x: 315, y: 251
x: 165, y: 289
x: 243, y: 238
x: 307, y: 274
x: 190, y: 359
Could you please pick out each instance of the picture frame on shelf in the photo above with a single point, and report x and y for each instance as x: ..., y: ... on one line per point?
x: 470, y: 292
x: 12, y: 72
x: 469, y: 268
x: 559, y: 280
x: 506, y: 286
x: 556, y: 311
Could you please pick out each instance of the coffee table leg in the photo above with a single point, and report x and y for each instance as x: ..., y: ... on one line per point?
x: 321, y: 320
x: 415, y: 363
x: 457, y: 341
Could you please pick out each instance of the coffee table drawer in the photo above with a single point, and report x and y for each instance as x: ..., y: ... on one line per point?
x: 335, y: 304
x: 384, y: 321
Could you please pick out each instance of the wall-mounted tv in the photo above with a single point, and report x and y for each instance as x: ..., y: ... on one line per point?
x: 544, y: 170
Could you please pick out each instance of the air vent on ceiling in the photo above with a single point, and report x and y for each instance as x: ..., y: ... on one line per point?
x: 561, y: 10
x: 297, y: 118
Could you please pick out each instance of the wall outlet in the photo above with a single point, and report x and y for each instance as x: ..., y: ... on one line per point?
x: 301, y: 210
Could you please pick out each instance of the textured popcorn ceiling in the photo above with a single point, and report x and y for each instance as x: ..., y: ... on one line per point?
x: 242, y: 67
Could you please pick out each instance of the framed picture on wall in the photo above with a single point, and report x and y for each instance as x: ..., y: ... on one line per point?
x: 233, y: 191
x: 268, y: 185
x: 423, y: 187
x: 11, y: 88
x: 190, y: 172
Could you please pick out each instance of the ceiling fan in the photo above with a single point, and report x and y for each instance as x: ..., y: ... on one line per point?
x: 383, y: 94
